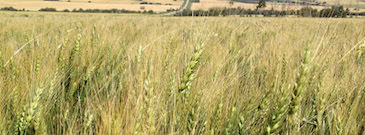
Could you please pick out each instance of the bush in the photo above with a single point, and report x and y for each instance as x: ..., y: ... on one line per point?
x: 334, y: 11
x: 170, y: 10
x: 9, y: 9
x: 47, y: 9
x: 307, y: 12
x: 104, y: 11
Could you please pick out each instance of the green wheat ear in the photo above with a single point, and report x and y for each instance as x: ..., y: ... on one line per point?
x: 360, y: 54
x: 76, y: 50
x: 278, y: 117
x: 299, y: 85
x: 189, y: 73
x: 37, y: 66
x: 27, y: 117
x: 150, y: 102
x: 2, y: 68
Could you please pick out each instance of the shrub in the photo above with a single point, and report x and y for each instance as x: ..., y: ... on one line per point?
x: 47, y: 9
x: 334, y: 11
x: 9, y: 9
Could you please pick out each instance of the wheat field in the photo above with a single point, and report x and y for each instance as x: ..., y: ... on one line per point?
x: 125, y: 74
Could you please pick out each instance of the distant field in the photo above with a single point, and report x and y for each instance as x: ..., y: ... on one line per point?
x: 165, y: 4
x: 206, y: 4
x: 95, y: 4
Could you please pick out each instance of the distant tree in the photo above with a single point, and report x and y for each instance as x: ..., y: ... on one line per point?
x: 261, y: 4
x: 231, y: 2
x: 48, y: 9
x: 347, y: 12
x: 8, y: 9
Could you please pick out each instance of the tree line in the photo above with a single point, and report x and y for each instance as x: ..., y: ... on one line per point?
x: 47, y: 9
x: 334, y: 11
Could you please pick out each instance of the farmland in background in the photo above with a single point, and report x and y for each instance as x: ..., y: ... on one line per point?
x: 158, y: 5
x: 279, y: 4
x: 126, y: 74
x: 163, y: 5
